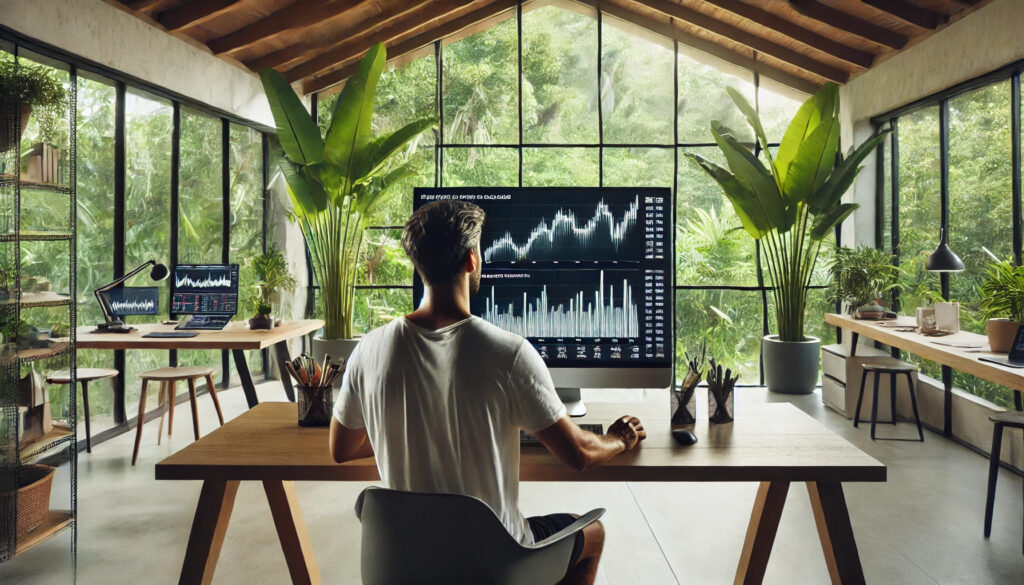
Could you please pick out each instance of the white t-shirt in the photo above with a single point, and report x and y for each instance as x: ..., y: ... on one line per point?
x: 443, y: 409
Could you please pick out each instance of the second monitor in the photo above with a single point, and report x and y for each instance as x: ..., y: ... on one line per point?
x: 208, y: 292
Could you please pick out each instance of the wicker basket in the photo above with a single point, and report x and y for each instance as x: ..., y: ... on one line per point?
x: 34, y: 483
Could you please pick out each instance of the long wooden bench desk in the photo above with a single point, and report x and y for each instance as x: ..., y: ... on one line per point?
x: 942, y: 350
x: 772, y: 444
x: 236, y: 337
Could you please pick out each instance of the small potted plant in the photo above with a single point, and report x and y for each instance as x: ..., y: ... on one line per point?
x: 859, y: 278
x: 272, y: 277
x: 1002, y: 301
x: 22, y: 88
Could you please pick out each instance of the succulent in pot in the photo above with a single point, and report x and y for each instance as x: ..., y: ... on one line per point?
x: 272, y: 277
x: 1002, y: 303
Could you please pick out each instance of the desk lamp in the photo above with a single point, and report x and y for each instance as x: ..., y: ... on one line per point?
x: 943, y: 259
x: 113, y: 325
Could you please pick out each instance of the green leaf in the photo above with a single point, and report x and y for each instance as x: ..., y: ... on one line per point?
x: 844, y: 174
x: 353, y: 113
x: 380, y: 150
x: 824, y: 222
x: 755, y: 177
x: 744, y: 202
x: 752, y: 118
x: 803, y: 123
x: 307, y: 196
x: 298, y: 133
x: 813, y: 163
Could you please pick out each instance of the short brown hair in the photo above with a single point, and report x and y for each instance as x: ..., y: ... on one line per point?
x: 438, y: 237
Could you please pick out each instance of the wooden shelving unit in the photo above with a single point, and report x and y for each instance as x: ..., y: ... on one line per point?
x: 55, y: 522
x: 30, y: 450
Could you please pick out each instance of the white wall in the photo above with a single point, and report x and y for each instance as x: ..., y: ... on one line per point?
x: 107, y: 35
x: 981, y: 42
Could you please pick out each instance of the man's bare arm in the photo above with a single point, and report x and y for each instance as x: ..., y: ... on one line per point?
x: 348, y: 443
x: 582, y: 449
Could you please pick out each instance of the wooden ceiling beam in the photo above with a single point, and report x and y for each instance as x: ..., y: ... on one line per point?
x: 747, y: 39
x: 796, y: 32
x: 144, y: 5
x: 278, y: 59
x: 302, y: 14
x: 421, y: 14
x: 714, y: 49
x: 838, y: 19
x: 907, y: 12
x: 407, y: 46
x: 194, y: 13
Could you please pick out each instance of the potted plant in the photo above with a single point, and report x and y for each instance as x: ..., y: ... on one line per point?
x: 790, y: 206
x: 336, y: 182
x: 859, y: 278
x: 22, y: 88
x: 1002, y: 302
x: 272, y: 277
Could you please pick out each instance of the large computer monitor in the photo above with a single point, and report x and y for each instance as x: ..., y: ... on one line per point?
x: 584, y: 274
x: 133, y: 300
x: 204, y: 289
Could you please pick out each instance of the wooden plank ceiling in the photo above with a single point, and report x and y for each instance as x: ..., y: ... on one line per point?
x: 317, y: 43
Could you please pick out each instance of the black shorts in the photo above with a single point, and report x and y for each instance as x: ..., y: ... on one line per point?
x: 544, y: 526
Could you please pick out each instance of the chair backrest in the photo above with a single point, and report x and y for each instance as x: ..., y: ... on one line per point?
x: 415, y: 538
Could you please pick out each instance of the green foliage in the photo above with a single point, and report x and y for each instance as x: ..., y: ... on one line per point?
x: 12, y: 329
x: 795, y: 203
x: 31, y: 84
x: 335, y: 182
x: 860, y: 275
x: 1002, y: 292
x: 270, y: 270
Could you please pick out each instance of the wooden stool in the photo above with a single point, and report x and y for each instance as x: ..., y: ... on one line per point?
x: 167, y: 378
x: 893, y: 369
x: 83, y: 375
x: 1014, y: 420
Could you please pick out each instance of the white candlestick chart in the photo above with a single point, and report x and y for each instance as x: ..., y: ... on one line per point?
x: 601, y: 237
x: 605, y: 311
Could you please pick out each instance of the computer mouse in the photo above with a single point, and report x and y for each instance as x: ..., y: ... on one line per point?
x: 684, y: 437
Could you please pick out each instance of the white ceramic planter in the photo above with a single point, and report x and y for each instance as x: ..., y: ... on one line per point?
x: 336, y: 348
x: 791, y: 367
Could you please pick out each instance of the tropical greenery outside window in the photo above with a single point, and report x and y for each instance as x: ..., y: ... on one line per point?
x: 626, y: 124
x: 980, y: 166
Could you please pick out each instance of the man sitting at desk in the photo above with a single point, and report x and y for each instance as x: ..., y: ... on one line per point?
x: 440, y: 395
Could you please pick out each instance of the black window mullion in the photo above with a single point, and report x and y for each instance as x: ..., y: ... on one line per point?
x: 265, y: 232
x: 438, y: 57
x: 120, y: 363
x: 1015, y: 160
x: 172, y: 355
x: 944, y: 182
x: 600, y: 105
x: 225, y: 227
x: 519, y: 84
x: 894, y: 211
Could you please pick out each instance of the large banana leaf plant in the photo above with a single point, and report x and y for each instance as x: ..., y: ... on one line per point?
x: 791, y: 205
x: 336, y: 182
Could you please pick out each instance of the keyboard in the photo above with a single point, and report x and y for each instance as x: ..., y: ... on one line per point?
x: 209, y: 322
x: 528, y: 440
x: 171, y: 334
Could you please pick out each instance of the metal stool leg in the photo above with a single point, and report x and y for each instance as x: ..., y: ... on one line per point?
x: 192, y: 400
x: 213, y: 394
x: 860, y: 398
x: 913, y: 402
x: 993, y: 474
x: 874, y: 407
x: 142, y: 419
x: 85, y: 408
x: 892, y: 397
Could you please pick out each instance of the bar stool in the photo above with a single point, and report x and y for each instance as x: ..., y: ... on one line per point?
x: 83, y: 375
x: 893, y: 368
x: 167, y: 378
x: 1014, y: 420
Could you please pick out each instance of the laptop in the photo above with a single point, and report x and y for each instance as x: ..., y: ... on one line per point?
x: 1016, y: 357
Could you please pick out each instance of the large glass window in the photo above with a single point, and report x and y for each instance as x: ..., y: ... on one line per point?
x: 245, y: 175
x: 636, y: 89
x: 200, y: 194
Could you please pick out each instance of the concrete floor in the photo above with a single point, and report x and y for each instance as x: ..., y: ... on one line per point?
x: 924, y: 526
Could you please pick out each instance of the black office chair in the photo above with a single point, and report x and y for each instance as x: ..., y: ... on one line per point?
x: 426, y: 539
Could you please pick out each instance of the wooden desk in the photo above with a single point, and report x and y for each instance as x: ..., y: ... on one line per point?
x: 236, y: 337
x: 936, y: 350
x: 773, y: 444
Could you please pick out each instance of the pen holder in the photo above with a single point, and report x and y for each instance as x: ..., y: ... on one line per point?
x: 316, y: 406
x: 684, y: 402
x: 720, y: 394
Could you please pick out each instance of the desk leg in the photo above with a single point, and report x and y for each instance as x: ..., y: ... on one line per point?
x: 854, y: 339
x: 282, y: 357
x: 764, y: 522
x: 835, y: 533
x: 291, y: 529
x: 208, y: 529
x: 242, y: 367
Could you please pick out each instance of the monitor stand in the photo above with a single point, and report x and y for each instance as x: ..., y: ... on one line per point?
x: 573, y: 401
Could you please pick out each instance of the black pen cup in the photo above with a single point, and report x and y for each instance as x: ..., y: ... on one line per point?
x: 316, y: 406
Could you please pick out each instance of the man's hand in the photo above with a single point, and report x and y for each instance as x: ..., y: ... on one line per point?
x: 582, y: 449
x: 629, y: 430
